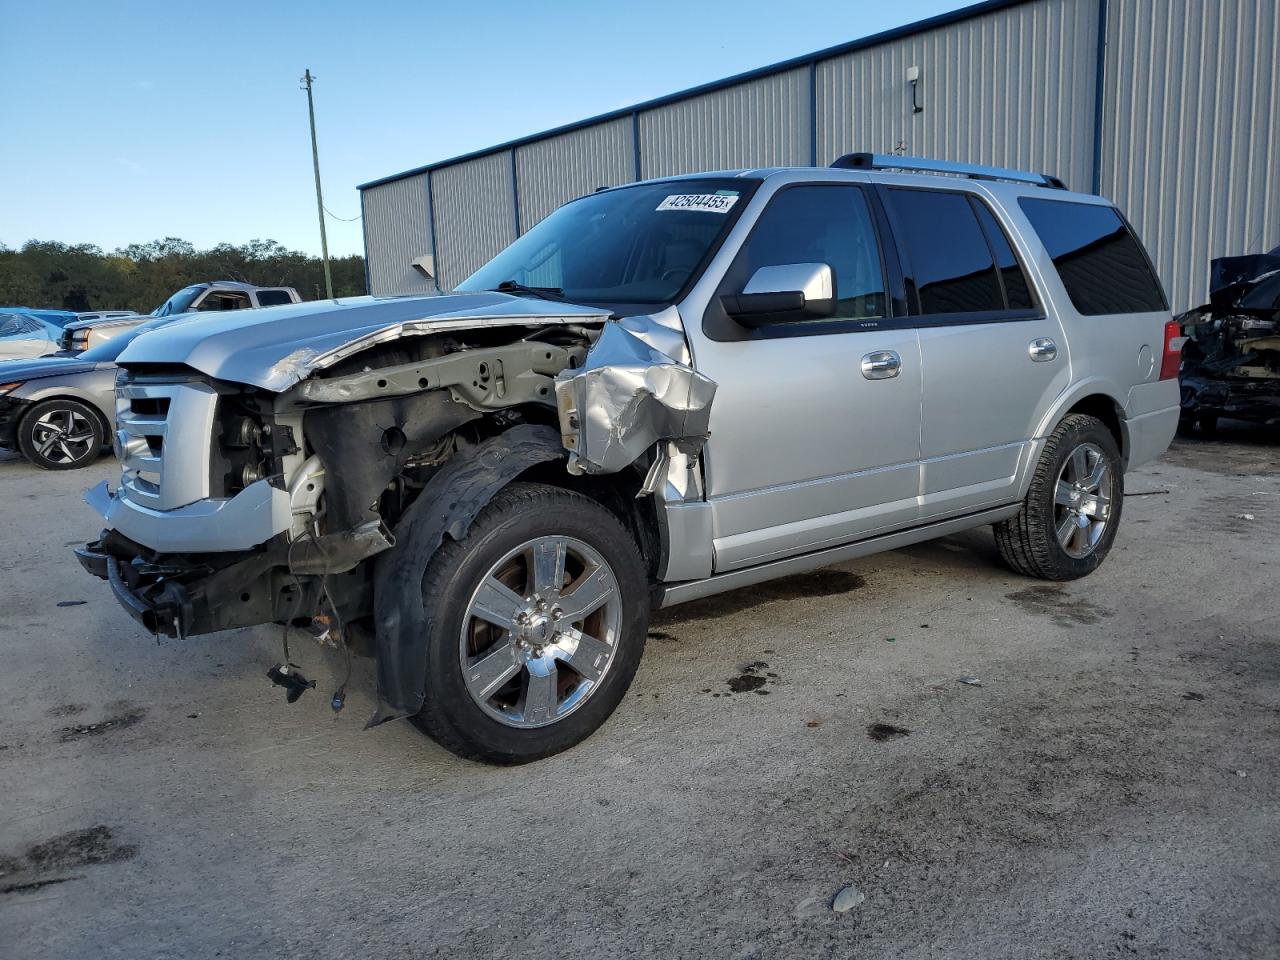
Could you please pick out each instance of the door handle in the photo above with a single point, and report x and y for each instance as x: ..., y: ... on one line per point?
x: 881, y: 365
x: 1042, y: 349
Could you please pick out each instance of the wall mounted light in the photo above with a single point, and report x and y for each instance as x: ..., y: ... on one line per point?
x: 425, y: 265
x: 913, y: 78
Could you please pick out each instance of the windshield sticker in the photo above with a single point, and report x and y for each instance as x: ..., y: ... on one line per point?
x: 706, y: 202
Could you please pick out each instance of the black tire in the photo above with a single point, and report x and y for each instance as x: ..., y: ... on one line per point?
x: 1208, y: 425
x: 81, y: 434
x: 1029, y: 542
x: 520, y: 513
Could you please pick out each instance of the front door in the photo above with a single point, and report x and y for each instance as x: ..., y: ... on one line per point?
x: 815, y: 427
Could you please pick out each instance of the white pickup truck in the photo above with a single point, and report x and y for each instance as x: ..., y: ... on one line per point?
x: 199, y: 297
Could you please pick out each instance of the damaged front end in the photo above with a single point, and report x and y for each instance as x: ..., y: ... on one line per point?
x: 1231, y: 360
x: 275, y: 477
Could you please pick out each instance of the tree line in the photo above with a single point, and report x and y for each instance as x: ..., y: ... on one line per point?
x: 141, y: 276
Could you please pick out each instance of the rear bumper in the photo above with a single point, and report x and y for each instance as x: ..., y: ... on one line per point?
x: 1150, y: 435
x: 1153, y: 411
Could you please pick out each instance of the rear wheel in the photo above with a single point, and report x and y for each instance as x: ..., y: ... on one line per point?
x: 60, y: 435
x: 1069, y: 517
x: 542, y: 612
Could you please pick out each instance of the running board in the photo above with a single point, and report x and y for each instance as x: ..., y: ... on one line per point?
x: 670, y: 594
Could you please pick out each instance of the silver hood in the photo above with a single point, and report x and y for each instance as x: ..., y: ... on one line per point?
x: 276, y: 347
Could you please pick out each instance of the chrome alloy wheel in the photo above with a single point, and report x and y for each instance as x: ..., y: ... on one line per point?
x: 540, y: 631
x: 1082, y: 500
x: 63, y: 435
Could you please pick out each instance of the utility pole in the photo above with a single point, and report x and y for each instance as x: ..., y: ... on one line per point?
x: 307, y: 78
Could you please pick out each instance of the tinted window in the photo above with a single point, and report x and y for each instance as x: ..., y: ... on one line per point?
x: 272, y: 298
x: 947, y: 252
x: 1016, y: 290
x: 1102, y: 265
x: 224, y: 300
x: 822, y: 224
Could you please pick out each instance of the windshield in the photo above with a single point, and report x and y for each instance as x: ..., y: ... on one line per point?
x: 635, y: 245
x: 180, y: 302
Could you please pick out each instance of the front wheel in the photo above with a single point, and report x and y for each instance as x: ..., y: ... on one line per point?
x: 1069, y: 517
x: 60, y: 435
x: 542, y: 612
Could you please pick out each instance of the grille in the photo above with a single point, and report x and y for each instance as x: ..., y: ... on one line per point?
x: 163, y: 438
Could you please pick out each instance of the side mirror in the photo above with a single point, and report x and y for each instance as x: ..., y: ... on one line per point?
x: 785, y: 293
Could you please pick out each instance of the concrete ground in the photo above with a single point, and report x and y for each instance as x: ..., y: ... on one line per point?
x: 1111, y: 788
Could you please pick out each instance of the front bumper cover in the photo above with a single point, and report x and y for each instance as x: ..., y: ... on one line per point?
x: 11, y: 410
x: 253, y: 516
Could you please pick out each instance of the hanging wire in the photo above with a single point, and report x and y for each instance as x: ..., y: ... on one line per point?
x: 358, y: 216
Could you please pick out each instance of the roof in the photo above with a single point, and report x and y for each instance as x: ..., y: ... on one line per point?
x: 910, y: 29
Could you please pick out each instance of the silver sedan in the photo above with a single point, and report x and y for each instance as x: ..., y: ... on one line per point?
x: 59, y: 412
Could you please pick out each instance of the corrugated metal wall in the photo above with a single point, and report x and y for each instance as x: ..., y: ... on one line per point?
x: 1190, y: 110
x: 761, y: 123
x: 475, y: 214
x: 552, y: 171
x: 397, y: 229
x: 1014, y: 88
x: 1191, y: 131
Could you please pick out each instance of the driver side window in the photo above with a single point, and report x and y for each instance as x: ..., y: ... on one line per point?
x: 822, y: 223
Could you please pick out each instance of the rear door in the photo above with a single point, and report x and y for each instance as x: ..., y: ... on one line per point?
x: 812, y: 444
x: 992, y: 359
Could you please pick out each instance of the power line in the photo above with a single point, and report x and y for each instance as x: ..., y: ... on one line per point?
x: 358, y: 216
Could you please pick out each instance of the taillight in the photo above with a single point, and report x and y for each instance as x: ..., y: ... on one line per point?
x: 1172, y: 359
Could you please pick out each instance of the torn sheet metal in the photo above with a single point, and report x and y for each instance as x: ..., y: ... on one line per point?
x: 625, y: 398
x: 1231, y: 359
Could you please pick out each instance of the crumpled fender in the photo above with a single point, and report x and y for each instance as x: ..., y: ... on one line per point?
x: 625, y: 398
x: 447, y: 506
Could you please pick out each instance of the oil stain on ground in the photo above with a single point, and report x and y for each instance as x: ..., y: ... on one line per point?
x: 886, y: 731
x: 1053, y: 602
x: 41, y: 863
x: 751, y: 678
x: 820, y: 583
x: 120, y: 721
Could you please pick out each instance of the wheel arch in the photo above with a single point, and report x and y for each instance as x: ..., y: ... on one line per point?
x: 1097, y: 398
x: 61, y: 392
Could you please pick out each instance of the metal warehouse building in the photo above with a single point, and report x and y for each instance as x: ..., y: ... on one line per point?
x: 1169, y: 107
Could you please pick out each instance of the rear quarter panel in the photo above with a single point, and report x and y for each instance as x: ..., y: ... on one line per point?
x: 1113, y: 355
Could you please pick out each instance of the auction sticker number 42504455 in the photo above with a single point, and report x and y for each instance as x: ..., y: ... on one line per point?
x: 706, y: 202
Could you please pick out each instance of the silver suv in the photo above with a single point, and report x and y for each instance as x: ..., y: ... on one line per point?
x: 662, y: 391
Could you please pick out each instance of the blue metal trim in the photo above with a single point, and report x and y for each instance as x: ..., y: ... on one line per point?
x: 1099, y: 84
x: 515, y: 192
x: 897, y: 33
x: 364, y: 234
x: 431, y: 229
x: 813, y: 114
x: 635, y: 141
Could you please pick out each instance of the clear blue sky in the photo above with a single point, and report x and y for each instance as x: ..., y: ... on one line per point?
x: 122, y: 122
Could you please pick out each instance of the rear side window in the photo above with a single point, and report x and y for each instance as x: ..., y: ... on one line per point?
x: 1016, y: 289
x: 272, y: 298
x: 1100, y: 261
x: 958, y: 264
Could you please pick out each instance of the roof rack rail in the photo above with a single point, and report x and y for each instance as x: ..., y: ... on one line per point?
x: 975, y: 171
